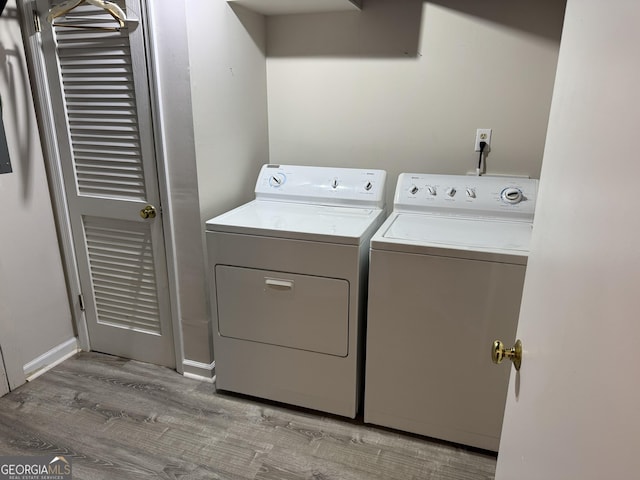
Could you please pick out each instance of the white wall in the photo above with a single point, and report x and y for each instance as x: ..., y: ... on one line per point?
x: 34, y: 310
x: 403, y: 85
x: 228, y: 81
x: 228, y: 97
x: 174, y: 128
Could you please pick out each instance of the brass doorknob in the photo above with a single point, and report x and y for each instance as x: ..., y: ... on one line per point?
x: 498, y: 353
x: 148, y: 212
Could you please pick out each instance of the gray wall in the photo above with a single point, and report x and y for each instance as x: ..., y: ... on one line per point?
x: 228, y: 79
x: 404, y: 84
x: 34, y: 310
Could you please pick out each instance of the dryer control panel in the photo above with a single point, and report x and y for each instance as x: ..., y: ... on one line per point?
x: 465, y: 195
x: 322, y: 185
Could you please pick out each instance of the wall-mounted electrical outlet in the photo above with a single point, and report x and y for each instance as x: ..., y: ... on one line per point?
x: 483, y: 135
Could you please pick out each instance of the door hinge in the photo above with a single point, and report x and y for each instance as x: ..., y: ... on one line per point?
x: 81, y: 302
x: 36, y: 21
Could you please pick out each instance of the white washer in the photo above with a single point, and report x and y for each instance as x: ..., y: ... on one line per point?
x: 446, y: 275
x: 289, y: 276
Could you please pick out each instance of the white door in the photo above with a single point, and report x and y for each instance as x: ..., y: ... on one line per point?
x: 573, y: 411
x: 100, y: 94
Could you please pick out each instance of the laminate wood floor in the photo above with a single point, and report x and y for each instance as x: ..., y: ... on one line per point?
x: 122, y: 419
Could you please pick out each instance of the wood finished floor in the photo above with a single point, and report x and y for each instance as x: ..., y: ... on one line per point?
x: 122, y: 419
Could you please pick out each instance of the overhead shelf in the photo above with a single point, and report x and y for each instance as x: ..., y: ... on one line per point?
x: 283, y: 7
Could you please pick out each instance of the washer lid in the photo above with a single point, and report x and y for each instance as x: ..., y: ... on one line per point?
x: 455, y: 236
x: 320, y: 223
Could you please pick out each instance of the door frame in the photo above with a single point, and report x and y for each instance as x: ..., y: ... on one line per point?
x: 4, y: 379
x: 46, y: 126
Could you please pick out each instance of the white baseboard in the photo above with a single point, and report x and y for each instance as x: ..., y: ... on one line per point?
x: 205, y: 372
x: 50, y: 359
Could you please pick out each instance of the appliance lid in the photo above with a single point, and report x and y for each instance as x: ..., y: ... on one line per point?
x: 469, y: 232
x: 324, y: 223
x: 453, y: 236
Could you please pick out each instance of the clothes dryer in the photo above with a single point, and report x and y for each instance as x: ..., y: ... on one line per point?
x: 446, y: 275
x: 289, y: 277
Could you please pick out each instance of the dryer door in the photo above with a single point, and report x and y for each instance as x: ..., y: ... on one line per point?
x: 289, y: 310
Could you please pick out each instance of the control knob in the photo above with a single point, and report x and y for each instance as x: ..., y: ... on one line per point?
x: 368, y: 186
x: 413, y: 190
x: 334, y: 183
x: 451, y: 191
x: 511, y: 195
x: 471, y: 192
x: 277, y: 180
x: 432, y: 190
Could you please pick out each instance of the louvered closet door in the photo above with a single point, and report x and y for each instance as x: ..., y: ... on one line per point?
x: 100, y: 93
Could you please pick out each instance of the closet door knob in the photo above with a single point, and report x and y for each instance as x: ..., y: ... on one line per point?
x: 148, y: 212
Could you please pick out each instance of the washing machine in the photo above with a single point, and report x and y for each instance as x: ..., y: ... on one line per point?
x: 446, y: 275
x: 289, y: 280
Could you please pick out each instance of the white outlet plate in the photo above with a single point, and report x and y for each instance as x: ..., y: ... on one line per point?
x: 483, y: 135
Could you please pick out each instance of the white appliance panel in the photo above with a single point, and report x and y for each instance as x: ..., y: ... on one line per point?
x: 306, y: 378
x: 351, y: 187
x: 430, y: 323
x: 461, y: 195
x: 297, y: 311
x: 295, y: 220
x: 467, y: 233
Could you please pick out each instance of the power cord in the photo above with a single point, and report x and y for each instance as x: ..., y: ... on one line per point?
x: 482, y: 147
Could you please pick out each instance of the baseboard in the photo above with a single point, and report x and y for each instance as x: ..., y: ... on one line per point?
x: 50, y: 359
x: 205, y: 372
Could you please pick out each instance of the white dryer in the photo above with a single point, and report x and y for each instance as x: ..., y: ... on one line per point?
x: 289, y: 274
x: 446, y: 275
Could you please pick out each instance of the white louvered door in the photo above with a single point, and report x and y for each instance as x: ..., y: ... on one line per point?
x: 100, y: 94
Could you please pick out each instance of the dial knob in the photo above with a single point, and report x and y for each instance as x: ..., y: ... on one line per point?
x: 432, y: 190
x: 277, y: 180
x: 368, y: 186
x: 471, y: 192
x: 451, y: 191
x: 511, y: 195
x: 334, y: 183
x: 413, y: 190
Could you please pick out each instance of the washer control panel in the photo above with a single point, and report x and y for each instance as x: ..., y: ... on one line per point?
x: 511, y: 197
x: 323, y: 185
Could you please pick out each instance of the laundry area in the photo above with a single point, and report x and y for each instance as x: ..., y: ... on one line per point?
x: 394, y: 87
x: 312, y: 122
x: 328, y: 208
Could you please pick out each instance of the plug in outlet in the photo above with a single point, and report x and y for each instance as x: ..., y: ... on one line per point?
x: 483, y: 135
